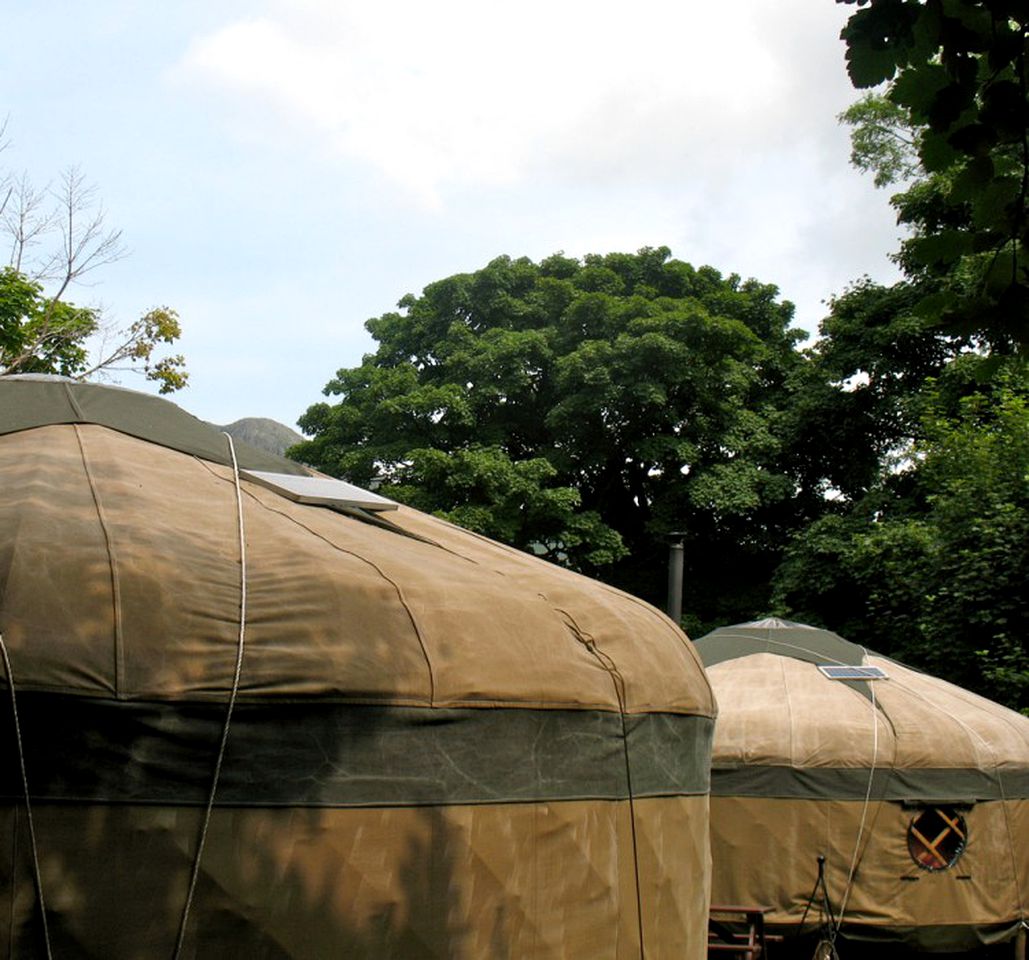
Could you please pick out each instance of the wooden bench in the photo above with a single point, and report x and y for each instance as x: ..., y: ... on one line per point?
x: 738, y: 930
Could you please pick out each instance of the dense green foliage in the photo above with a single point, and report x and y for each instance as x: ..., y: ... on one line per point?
x: 923, y: 553
x: 957, y: 69
x: 930, y: 564
x: 37, y: 336
x: 584, y: 410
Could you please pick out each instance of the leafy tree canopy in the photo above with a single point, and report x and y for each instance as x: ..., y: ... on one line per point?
x: 56, y: 237
x: 866, y: 394
x: 931, y: 564
x: 883, y: 139
x: 40, y: 334
x: 955, y: 75
x: 921, y: 550
x: 584, y: 409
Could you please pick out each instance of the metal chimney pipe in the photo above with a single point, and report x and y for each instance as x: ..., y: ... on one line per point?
x: 675, y: 571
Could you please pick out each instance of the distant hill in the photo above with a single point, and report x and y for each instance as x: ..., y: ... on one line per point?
x: 263, y: 433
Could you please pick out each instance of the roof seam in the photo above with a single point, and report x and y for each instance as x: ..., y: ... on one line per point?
x: 73, y: 403
x: 116, y: 606
x: 789, y: 707
x: 396, y: 586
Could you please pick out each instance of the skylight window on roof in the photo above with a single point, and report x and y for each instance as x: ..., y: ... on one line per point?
x: 319, y: 491
x: 840, y: 672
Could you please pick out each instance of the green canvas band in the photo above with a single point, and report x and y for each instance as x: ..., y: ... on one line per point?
x: 912, y: 785
x: 326, y: 754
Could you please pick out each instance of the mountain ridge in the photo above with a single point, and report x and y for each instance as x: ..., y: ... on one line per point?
x: 263, y: 433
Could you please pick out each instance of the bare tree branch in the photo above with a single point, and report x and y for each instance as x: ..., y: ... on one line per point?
x: 25, y: 221
x: 57, y: 237
x: 5, y: 188
x: 86, y: 245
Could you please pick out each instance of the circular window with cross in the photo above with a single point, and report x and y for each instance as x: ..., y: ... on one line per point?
x: 937, y: 838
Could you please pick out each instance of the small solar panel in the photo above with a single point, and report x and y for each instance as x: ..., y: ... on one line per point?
x: 835, y: 672
x: 319, y: 491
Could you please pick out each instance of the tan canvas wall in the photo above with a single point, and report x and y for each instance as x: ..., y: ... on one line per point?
x: 765, y: 852
x: 546, y: 881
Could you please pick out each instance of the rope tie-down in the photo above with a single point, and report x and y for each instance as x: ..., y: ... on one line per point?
x: 240, y: 647
x: 825, y: 949
x: 37, y: 877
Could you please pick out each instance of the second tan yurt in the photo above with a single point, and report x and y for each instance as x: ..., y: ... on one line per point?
x: 249, y: 713
x: 914, y: 791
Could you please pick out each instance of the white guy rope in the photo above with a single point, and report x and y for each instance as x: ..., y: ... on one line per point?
x: 37, y: 875
x: 240, y: 646
x: 864, y: 808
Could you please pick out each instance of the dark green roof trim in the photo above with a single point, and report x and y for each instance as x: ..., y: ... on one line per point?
x: 26, y: 404
x: 781, y: 637
x: 330, y: 754
x: 913, y: 784
x: 784, y: 639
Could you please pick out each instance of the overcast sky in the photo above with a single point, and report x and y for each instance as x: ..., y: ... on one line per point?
x: 283, y: 171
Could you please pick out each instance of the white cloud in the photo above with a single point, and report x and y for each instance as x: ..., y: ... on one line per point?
x: 459, y: 93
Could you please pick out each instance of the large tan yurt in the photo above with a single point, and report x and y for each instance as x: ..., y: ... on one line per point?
x: 249, y: 712
x: 914, y: 791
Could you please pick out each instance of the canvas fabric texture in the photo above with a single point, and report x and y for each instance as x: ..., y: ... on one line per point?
x: 793, y: 762
x: 133, y: 592
x: 442, y: 747
x: 547, y: 881
x: 765, y: 851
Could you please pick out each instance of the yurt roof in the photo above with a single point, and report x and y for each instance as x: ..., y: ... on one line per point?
x: 781, y: 637
x: 786, y: 729
x: 119, y: 576
x: 437, y: 742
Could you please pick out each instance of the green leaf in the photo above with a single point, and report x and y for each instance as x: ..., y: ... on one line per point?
x: 999, y: 277
x: 936, y: 152
x: 996, y: 205
x: 917, y: 88
x: 1005, y: 110
x: 942, y: 249
x: 935, y: 305
x: 973, y: 178
x: 948, y: 104
x: 974, y: 139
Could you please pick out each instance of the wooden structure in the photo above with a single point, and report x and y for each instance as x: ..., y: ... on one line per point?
x: 738, y: 931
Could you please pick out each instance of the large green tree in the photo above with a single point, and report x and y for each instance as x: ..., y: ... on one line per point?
x: 922, y: 550
x: 930, y: 565
x: 955, y: 76
x: 586, y: 409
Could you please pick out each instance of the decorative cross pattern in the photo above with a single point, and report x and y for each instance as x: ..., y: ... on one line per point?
x: 937, y: 838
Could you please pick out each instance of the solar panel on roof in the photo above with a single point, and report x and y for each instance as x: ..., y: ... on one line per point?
x: 319, y: 491
x: 834, y: 672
